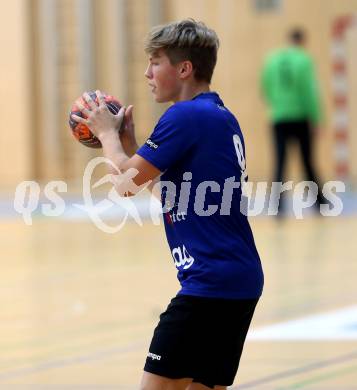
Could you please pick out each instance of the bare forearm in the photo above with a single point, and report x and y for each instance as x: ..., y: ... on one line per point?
x: 120, y: 163
x: 113, y: 150
x: 154, y: 188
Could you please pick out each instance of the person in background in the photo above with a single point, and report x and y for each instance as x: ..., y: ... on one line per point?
x: 290, y: 89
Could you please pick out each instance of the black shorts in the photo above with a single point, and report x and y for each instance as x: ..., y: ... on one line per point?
x: 200, y: 338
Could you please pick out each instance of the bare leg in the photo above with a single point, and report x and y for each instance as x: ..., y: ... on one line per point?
x: 199, y: 386
x: 156, y: 382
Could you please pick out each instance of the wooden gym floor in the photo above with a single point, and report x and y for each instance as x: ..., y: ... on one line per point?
x: 78, y: 306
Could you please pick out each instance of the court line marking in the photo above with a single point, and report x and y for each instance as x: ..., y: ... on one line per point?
x: 297, y: 371
x: 339, y: 324
x: 319, y: 378
x: 64, y: 362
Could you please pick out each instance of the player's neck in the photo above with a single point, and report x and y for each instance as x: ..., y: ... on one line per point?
x: 189, y: 91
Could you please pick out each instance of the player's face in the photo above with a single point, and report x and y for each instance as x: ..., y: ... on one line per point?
x: 164, y: 78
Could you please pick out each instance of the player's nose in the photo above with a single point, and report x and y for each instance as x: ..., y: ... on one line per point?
x: 148, y: 72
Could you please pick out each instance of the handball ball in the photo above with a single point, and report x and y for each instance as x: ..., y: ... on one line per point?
x: 80, y: 130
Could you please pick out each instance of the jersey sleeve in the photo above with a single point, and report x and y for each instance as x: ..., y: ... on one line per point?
x: 173, y: 136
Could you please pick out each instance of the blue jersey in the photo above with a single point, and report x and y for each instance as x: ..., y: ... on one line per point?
x: 199, y: 147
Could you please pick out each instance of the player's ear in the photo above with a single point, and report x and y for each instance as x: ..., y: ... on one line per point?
x: 186, y: 69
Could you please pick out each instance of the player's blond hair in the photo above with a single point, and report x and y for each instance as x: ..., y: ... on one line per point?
x: 186, y: 40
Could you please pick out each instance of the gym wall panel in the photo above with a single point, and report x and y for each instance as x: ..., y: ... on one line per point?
x: 15, y: 94
x: 45, y: 149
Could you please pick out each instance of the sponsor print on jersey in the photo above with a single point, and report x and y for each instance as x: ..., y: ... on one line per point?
x: 182, y: 258
x: 173, y: 217
x: 151, y: 144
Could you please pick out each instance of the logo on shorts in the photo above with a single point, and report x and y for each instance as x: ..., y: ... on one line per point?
x: 151, y: 144
x: 153, y: 356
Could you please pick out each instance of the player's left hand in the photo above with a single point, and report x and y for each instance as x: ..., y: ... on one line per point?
x: 127, y: 133
x: 99, y: 119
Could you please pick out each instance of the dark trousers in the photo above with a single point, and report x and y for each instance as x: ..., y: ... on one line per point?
x: 285, y: 134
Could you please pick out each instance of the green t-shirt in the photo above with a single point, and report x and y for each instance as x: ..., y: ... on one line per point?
x: 290, y: 87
